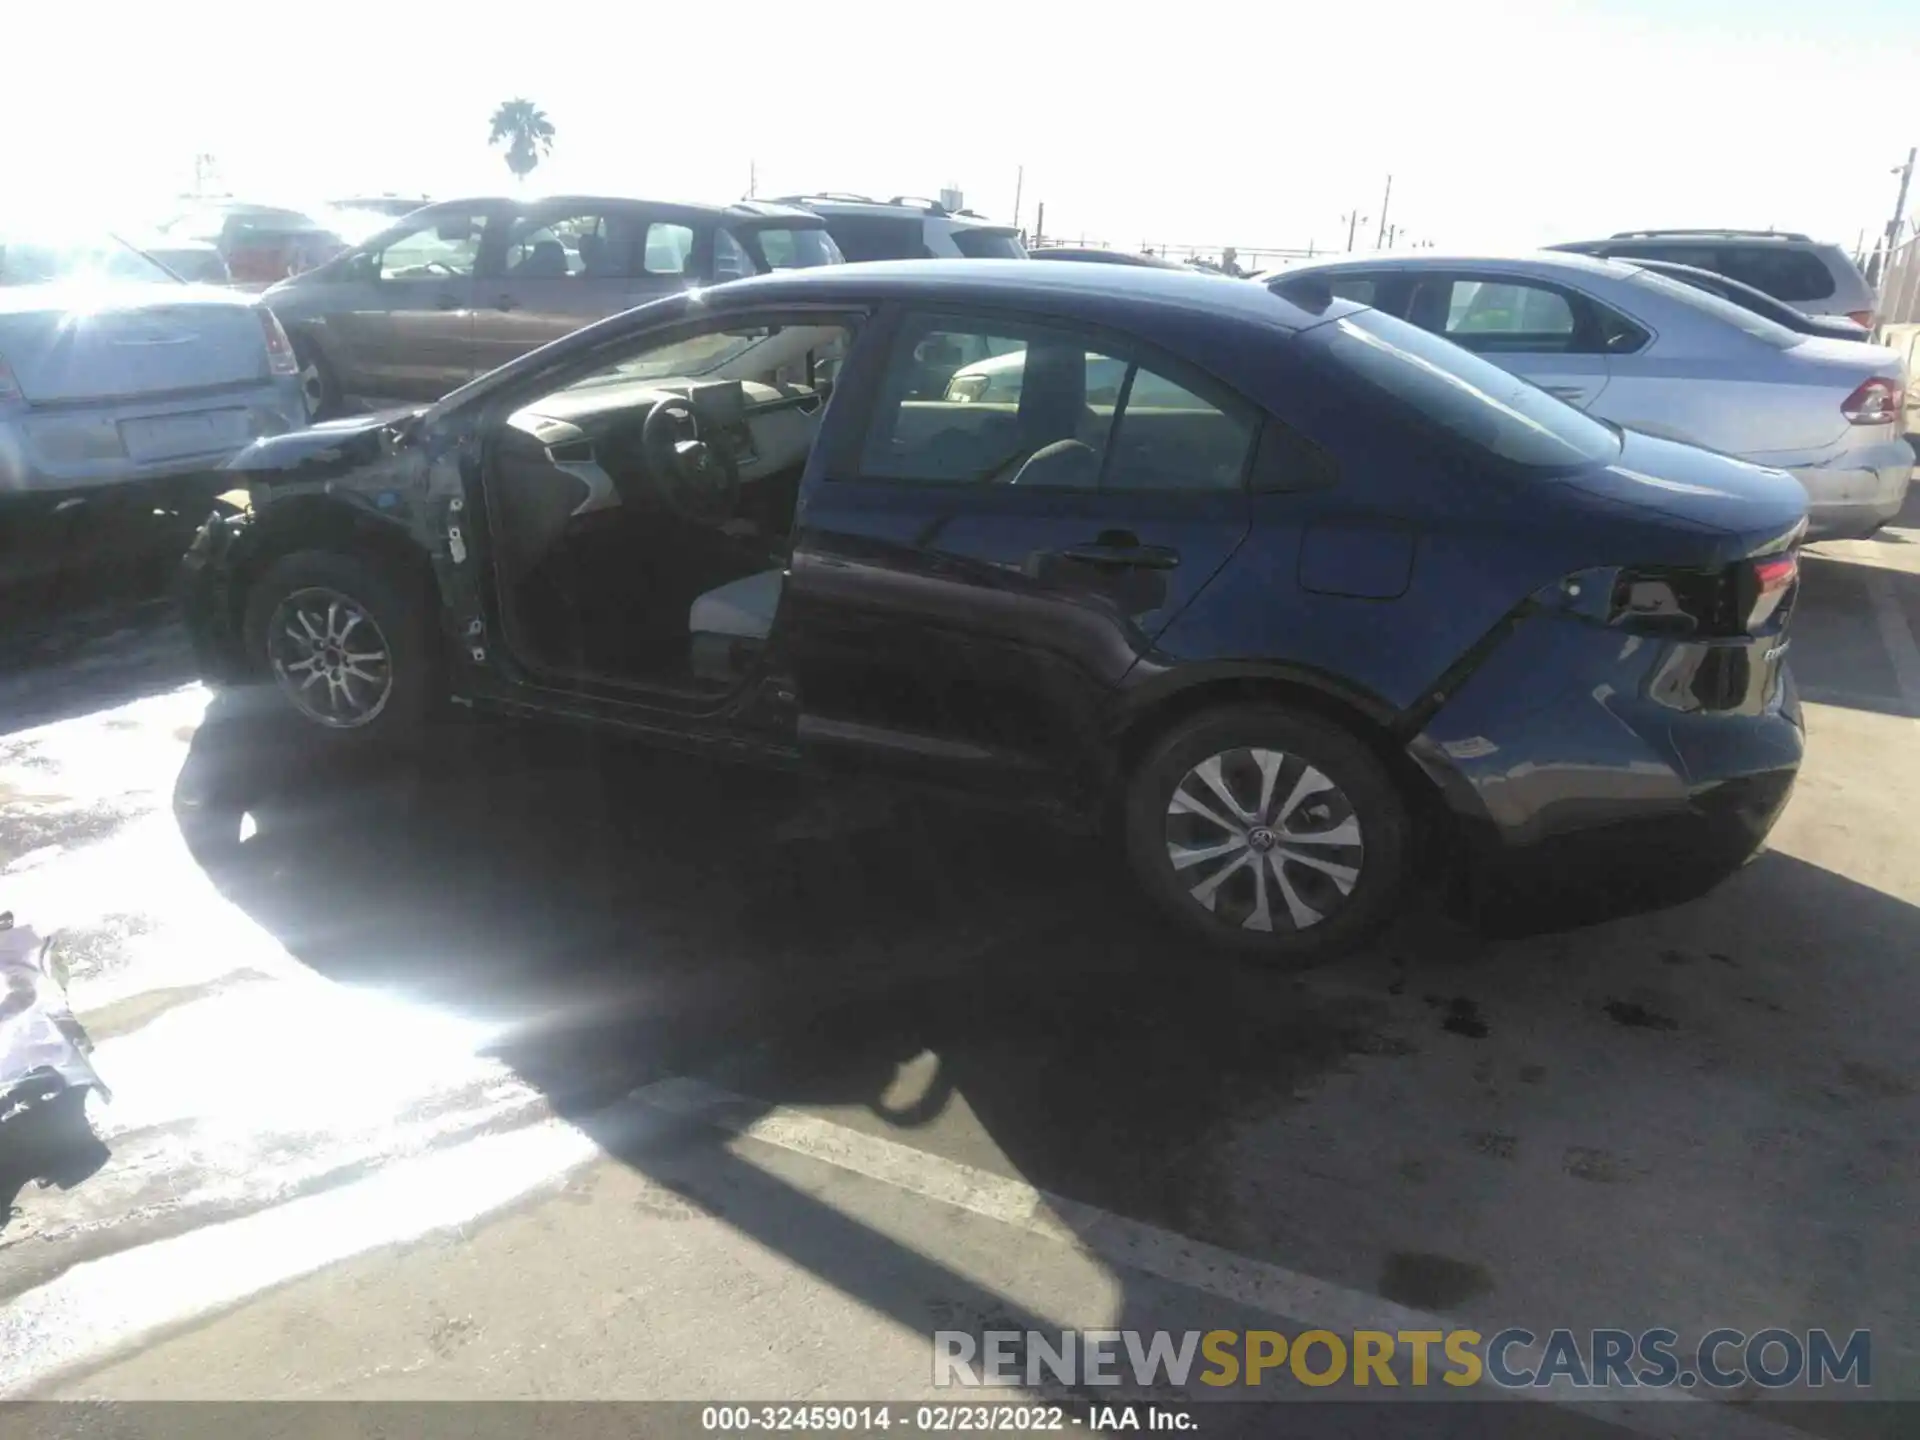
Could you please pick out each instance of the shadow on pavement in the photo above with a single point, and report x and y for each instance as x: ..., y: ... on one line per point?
x: 1841, y: 655
x: 624, y: 916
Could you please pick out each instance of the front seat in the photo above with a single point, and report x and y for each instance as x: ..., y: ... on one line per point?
x: 730, y: 623
x: 742, y: 609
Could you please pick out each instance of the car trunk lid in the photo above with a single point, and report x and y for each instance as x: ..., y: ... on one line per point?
x: 1736, y: 508
x: 66, y: 346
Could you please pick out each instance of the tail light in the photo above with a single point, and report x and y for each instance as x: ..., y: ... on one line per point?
x: 1862, y: 318
x: 1738, y: 599
x: 280, y: 357
x: 1877, y: 402
x: 1765, y: 584
x: 9, y: 387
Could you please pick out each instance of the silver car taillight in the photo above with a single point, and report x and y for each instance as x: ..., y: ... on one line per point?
x: 1877, y: 402
x: 280, y: 357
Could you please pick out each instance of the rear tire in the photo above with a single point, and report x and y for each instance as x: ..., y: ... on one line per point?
x: 347, y: 649
x: 1306, y: 854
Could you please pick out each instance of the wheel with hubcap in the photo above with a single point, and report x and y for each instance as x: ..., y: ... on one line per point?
x: 1270, y: 831
x: 343, y: 644
x: 317, y: 384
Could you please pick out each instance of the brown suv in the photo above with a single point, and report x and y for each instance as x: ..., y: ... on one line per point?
x: 461, y: 287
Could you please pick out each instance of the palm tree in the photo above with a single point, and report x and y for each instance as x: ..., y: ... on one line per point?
x: 527, y: 132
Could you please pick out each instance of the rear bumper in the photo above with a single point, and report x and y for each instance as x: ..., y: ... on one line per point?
x: 72, y: 448
x: 1593, y: 775
x: 1858, y: 491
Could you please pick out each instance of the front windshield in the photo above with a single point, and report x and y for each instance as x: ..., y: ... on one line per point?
x: 1490, y: 408
x: 683, y: 359
x: 44, y: 259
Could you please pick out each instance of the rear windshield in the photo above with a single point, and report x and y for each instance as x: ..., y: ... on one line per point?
x: 780, y: 248
x: 38, y: 260
x: 1758, y: 326
x: 1488, y: 407
x: 982, y: 244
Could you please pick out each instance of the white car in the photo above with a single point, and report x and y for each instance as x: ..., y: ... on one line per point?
x: 1647, y: 352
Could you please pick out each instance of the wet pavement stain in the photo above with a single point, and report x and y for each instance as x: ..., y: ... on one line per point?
x: 1463, y: 1018
x: 1635, y: 1015
x: 124, y: 1017
x: 1493, y: 1146
x: 1583, y: 1162
x: 91, y: 950
x: 1431, y: 1282
x: 1880, y: 1084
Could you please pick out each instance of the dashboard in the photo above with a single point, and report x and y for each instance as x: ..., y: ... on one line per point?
x: 593, y: 433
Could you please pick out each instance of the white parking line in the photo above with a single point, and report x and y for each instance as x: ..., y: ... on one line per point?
x: 1670, y: 1414
x: 96, y: 1309
x: 1896, y: 635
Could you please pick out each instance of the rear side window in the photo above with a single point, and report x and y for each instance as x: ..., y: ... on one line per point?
x: 1785, y: 274
x: 1047, y: 408
x: 877, y: 237
x: 1489, y: 408
x: 785, y: 249
x: 983, y: 244
x: 668, y: 248
x: 1738, y: 316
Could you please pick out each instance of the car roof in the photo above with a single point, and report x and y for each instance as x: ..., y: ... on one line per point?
x: 1086, y: 289
x: 845, y: 204
x: 1098, y: 256
x: 757, y: 210
x: 1540, y: 262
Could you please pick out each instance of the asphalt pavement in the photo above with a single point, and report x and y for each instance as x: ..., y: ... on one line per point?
x: 552, y: 1068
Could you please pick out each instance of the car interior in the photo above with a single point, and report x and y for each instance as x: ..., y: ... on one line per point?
x: 642, y: 517
x: 1043, y: 415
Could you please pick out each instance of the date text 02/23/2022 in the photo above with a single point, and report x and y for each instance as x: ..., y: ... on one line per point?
x: 941, y: 1418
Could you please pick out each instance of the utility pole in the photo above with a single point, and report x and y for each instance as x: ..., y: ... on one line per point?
x: 753, y: 179
x: 1040, y: 225
x: 1354, y: 219
x: 1019, y: 184
x: 1381, y: 239
x: 1905, y: 172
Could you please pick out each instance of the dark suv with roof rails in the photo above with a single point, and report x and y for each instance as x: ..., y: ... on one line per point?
x: 1273, y: 591
x: 907, y: 228
x: 1813, y: 276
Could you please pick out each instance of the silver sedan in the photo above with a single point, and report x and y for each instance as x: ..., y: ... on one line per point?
x: 122, y: 389
x: 1661, y: 357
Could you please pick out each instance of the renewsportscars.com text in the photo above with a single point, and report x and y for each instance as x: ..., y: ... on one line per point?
x: 1510, y: 1359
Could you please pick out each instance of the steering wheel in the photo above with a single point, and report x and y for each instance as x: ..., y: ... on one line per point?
x: 697, y: 481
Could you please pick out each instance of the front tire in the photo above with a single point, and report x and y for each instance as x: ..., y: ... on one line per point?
x: 345, y: 647
x: 1271, y: 832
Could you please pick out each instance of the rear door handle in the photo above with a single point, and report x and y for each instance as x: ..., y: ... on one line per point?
x: 1567, y: 392
x: 505, y: 302
x: 446, y: 302
x: 1123, y: 552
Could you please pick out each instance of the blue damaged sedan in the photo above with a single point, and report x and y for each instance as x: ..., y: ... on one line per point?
x: 1306, y: 600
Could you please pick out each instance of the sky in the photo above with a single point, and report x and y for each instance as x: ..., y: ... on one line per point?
x: 1504, y: 125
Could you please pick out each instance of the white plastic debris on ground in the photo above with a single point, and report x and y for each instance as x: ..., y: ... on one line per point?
x: 39, y: 1037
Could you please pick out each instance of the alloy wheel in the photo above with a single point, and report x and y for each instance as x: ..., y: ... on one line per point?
x: 1263, y: 840
x: 330, y: 658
